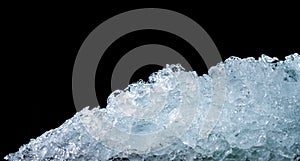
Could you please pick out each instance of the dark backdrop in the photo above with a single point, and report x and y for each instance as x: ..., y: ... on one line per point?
x: 42, y: 43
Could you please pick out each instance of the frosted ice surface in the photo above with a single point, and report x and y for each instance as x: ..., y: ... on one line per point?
x: 243, y: 109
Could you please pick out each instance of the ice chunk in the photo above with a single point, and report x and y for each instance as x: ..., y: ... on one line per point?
x: 243, y: 109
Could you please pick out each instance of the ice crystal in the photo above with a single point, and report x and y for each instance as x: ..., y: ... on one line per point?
x: 243, y: 109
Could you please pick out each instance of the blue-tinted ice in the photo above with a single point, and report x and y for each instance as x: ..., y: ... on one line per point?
x: 243, y: 109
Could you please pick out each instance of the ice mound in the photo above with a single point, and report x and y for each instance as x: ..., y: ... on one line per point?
x: 243, y: 109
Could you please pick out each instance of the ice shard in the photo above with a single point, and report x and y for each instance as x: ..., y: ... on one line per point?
x: 243, y: 109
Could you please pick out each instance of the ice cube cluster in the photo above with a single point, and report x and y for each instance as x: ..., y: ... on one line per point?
x: 243, y: 109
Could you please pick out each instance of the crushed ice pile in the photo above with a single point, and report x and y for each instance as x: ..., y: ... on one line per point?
x: 243, y: 109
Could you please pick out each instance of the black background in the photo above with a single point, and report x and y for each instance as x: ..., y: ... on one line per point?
x: 41, y: 44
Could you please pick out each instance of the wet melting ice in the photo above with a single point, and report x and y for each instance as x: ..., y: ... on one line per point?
x: 243, y: 109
